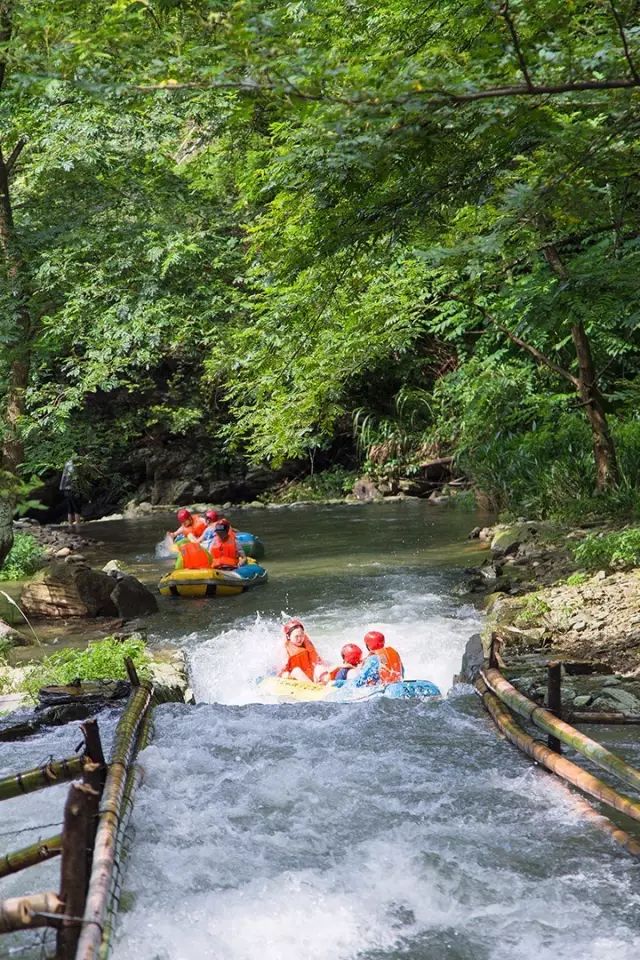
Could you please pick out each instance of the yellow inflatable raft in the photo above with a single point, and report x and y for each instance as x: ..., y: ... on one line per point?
x: 210, y: 582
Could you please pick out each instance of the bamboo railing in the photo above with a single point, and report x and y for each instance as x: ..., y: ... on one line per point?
x: 36, y: 852
x: 564, y: 732
x: 564, y: 768
x: 499, y: 697
x: 111, y: 816
x: 94, y: 820
x: 48, y: 775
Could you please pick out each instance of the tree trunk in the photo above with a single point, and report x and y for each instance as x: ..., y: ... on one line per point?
x: 604, y: 452
x: 18, y: 351
x: 16, y: 355
x: 6, y: 525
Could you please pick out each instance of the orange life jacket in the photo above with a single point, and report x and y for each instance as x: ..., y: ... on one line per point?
x: 391, y: 669
x: 306, y: 658
x: 193, y: 556
x: 302, y: 660
x: 199, y: 525
x: 225, y: 552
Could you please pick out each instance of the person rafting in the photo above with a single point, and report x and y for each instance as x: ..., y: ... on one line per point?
x: 224, y: 548
x: 351, y: 655
x: 303, y: 660
x: 192, y: 525
x: 192, y: 556
x: 383, y: 664
x: 206, y: 537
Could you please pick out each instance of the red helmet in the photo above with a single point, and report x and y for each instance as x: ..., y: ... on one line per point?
x: 291, y: 625
x: 374, y: 640
x: 212, y: 515
x: 352, y: 653
x: 183, y: 515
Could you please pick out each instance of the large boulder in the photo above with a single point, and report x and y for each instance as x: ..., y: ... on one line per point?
x: 73, y: 589
x: 472, y: 660
x: 365, y: 489
x: 132, y: 598
x: 508, y: 537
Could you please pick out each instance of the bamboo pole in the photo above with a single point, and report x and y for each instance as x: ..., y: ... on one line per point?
x: 22, y: 913
x: 552, y: 761
x: 587, y: 716
x: 111, y: 809
x: 48, y: 775
x: 29, y: 856
x: 558, y: 728
x: 74, y: 867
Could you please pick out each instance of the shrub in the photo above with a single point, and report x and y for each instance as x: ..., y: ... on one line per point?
x: 25, y: 557
x: 532, y: 609
x: 102, y: 660
x: 327, y: 485
x: 575, y: 579
x: 617, y: 549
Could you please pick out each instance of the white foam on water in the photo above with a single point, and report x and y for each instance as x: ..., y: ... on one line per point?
x: 369, y: 830
x: 427, y: 631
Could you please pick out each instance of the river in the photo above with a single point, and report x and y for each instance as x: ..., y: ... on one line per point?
x: 378, y: 830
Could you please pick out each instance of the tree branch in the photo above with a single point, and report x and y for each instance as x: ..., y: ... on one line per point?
x: 5, y: 32
x: 625, y: 42
x: 506, y: 13
x: 519, y: 342
x: 437, y: 95
x: 12, y: 159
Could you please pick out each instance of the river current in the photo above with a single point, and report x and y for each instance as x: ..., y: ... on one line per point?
x: 376, y: 830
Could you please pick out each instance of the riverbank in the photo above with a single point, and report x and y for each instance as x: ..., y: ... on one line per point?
x: 544, y: 604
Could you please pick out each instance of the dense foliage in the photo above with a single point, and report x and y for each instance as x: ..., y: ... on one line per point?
x: 618, y: 549
x: 101, y: 660
x: 258, y: 228
x: 24, y: 558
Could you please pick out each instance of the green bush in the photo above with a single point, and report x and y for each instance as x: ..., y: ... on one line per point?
x: 532, y: 609
x: 617, y: 549
x: 576, y: 579
x: 102, y: 660
x: 25, y: 557
x: 327, y: 485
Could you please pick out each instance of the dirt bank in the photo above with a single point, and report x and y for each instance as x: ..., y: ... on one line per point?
x: 541, y: 607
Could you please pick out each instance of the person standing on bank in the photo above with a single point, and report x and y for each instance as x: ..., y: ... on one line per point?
x: 69, y: 489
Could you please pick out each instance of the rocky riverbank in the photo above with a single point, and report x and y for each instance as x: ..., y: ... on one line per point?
x: 542, y: 607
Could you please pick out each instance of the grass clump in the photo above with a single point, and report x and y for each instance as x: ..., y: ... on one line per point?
x: 532, y: 609
x: 101, y: 660
x: 576, y: 579
x: 25, y: 557
x: 620, y: 549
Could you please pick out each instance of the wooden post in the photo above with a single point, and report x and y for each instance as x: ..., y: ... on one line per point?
x: 94, y: 775
x: 74, y: 877
x: 554, y: 699
x: 493, y: 659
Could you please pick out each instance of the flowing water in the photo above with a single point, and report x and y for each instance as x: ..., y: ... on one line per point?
x: 376, y: 830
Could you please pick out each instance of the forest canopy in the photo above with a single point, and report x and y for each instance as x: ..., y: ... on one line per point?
x: 282, y: 229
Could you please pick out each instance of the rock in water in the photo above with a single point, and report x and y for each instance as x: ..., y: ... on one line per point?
x: 132, y: 598
x: 66, y: 589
